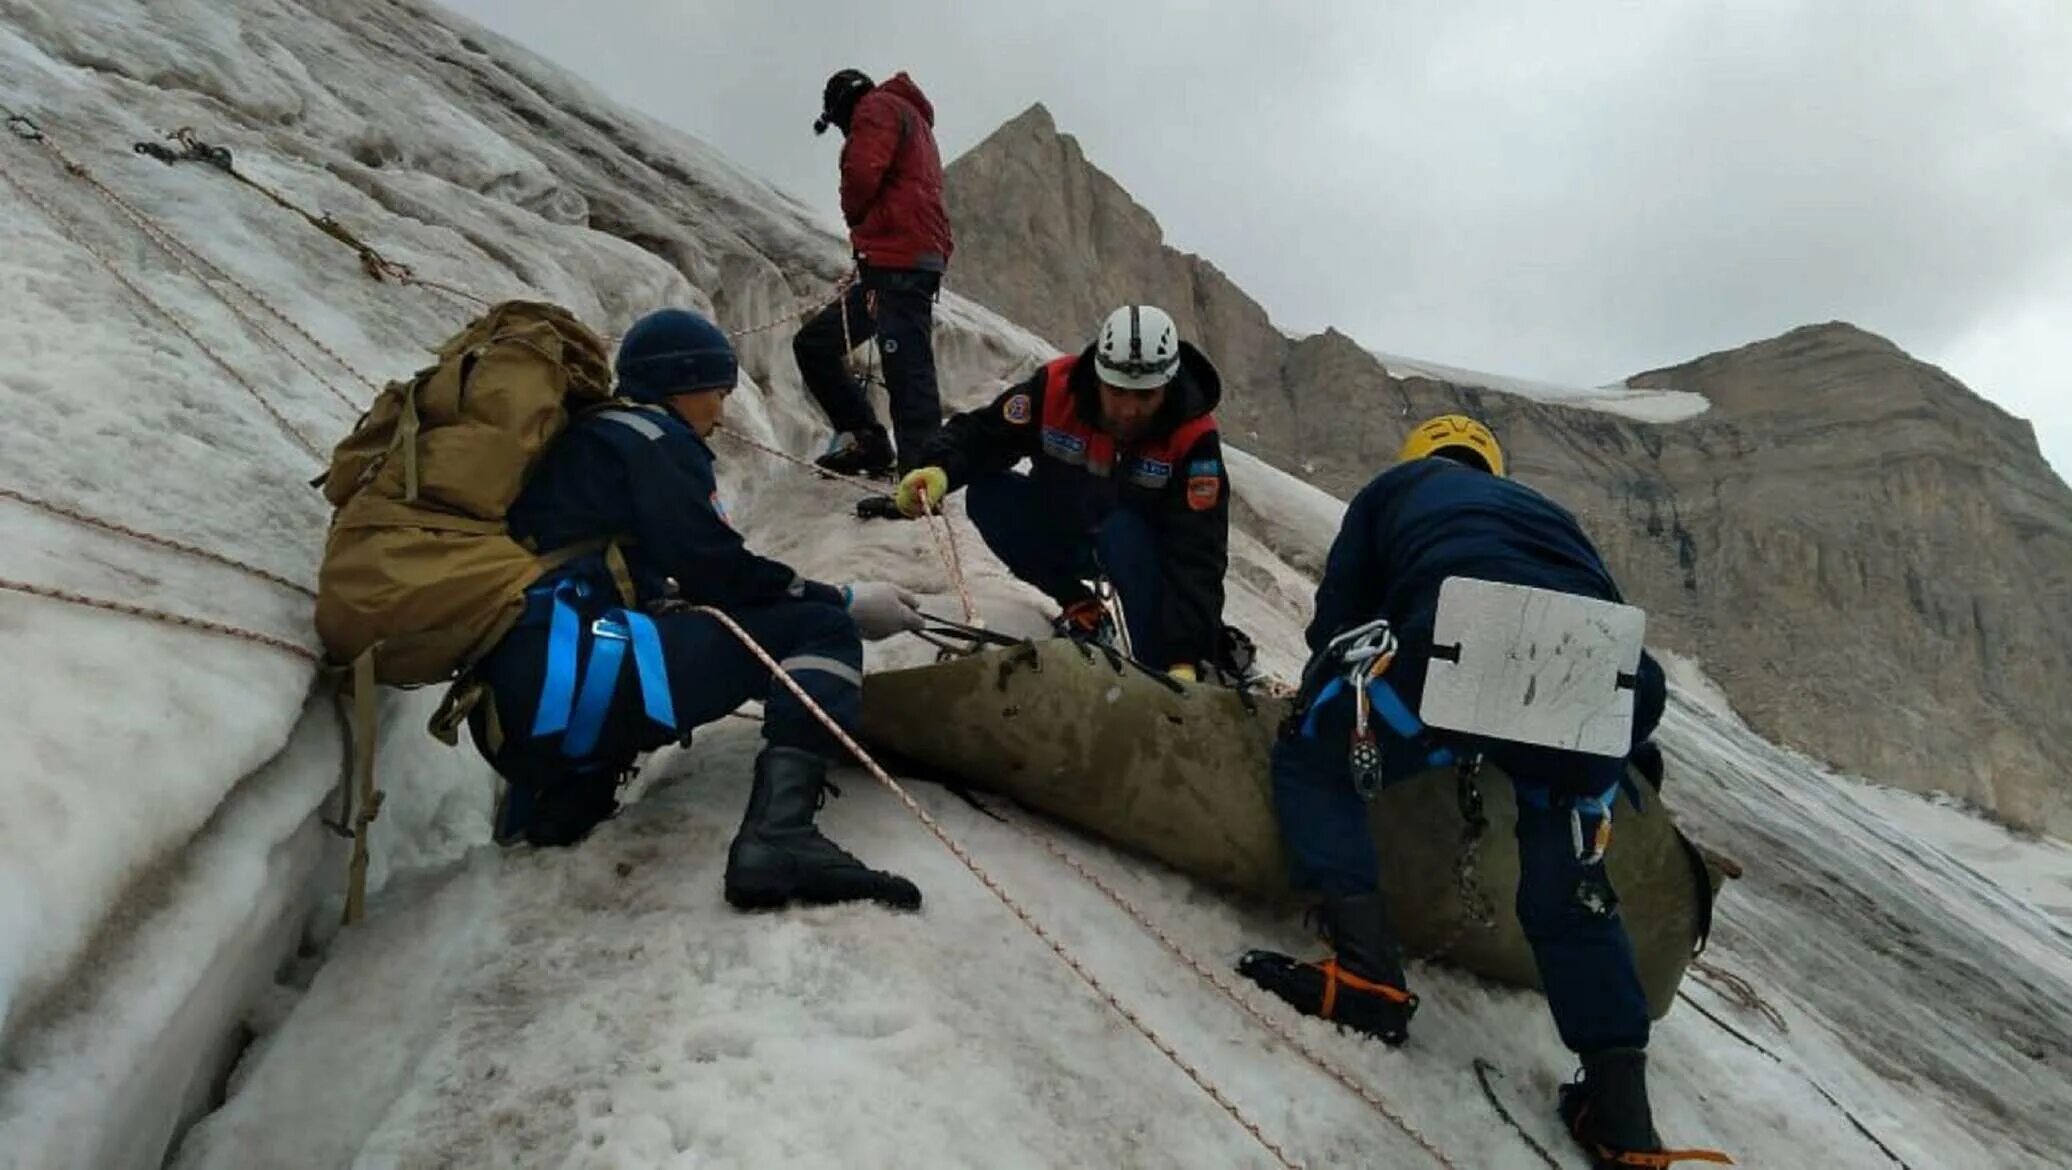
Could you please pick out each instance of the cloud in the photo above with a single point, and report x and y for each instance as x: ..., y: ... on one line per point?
x: 1572, y: 192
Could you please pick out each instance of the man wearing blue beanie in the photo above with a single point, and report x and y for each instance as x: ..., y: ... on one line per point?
x: 605, y: 663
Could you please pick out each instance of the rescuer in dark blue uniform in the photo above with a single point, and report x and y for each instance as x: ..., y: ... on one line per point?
x: 1446, y: 510
x: 591, y: 677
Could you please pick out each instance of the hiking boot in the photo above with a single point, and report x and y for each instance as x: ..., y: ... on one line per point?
x: 1086, y: 621
x: 858, y: 453
x: 555, y: 814
x: 779, y: 857
x: 1361, y: 986
x: 1606, y: 1111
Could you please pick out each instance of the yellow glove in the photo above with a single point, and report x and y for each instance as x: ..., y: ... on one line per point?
x: 922, y: 491
x: 1183, y: 671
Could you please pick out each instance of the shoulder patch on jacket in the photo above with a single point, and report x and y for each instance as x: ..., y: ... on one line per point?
x: 1203, y: 490
x: 1205, y: 467
x: 719, y: 509
x: 1016, y: 409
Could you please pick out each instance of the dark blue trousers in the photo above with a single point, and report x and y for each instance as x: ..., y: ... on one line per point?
x: 1049, y: 544
x: 1585, y: 958
x: 710, y: 673
x: 896, y: 308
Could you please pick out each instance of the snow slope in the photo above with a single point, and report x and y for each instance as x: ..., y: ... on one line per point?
x: 160, y: 851
x: 1655, y: 406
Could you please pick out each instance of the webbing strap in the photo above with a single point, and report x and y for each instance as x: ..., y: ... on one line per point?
x: 580, y: 712
x: 652, y: 668
x: 406, y: 440
x: 622, y: 576
x: 1332, y: 690
x: 564, y: 638
x: 1394, y: 712
x: 1589, y: 817
x: 367, y: 803
x: 600, y: 678
x: 1659, y: 1159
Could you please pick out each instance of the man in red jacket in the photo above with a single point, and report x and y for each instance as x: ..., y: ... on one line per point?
x: 892, y: 200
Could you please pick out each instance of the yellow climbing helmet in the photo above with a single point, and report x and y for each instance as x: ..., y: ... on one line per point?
x: 1455, y: 432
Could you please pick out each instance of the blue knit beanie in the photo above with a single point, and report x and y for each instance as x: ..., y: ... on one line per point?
x: 674, y: 351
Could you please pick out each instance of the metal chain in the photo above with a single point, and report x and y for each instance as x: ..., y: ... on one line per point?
x: 159, y: 615
x: 993, y: 886
x: 1476, y: 910
x: 1323, y: 1063
x: 945, y: 541
x: 162, y: 541
x: 72, y: 234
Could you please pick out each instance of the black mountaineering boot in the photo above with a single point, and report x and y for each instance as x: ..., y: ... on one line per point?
x: 859, y: 453
x: 1361, y: 986
x: 1606, y: 1111
x: 779, y: 857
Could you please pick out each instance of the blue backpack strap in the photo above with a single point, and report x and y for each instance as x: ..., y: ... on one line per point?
x: 652, y: 668
x: 608, y: 641
x: 564, y: 638
x: 610, y: 638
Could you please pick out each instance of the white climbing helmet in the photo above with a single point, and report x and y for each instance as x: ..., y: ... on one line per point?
x: 1139, y: 348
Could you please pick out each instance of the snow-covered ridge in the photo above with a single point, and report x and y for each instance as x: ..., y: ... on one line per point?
x: 600, y: 1007
x: 1654, y: 406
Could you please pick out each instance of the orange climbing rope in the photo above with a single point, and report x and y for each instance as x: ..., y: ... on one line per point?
x: 999, y: 892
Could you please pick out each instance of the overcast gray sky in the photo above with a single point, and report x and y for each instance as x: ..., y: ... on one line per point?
x: 1572, y: 191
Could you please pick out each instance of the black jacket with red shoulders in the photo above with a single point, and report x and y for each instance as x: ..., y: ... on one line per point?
x: 1173, y: 476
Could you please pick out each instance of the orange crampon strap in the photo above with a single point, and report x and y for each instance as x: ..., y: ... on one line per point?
x: 1335, y: 975
x: 1656, y: 1159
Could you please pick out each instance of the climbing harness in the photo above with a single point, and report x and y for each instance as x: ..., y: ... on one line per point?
x: 578, y: 712
x: 1358, y: 658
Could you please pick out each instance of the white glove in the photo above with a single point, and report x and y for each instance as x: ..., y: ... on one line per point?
x: 882, y: 609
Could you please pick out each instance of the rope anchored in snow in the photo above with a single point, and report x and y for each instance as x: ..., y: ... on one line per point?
x: 161, y: 541
x: 1741, y: 992
x: 1483, y: 1071
x: 72, y: 233
x: 190, y: 147
x: 1322, y: 1063
x: 945, y: 537
x: 172, y: 619
x: 376, y: 265
x: 1847, y: 1114
x: 209, y: 275
x: 1008, y: 900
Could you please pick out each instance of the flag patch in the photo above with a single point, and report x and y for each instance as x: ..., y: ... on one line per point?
x: 1203, y: 491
